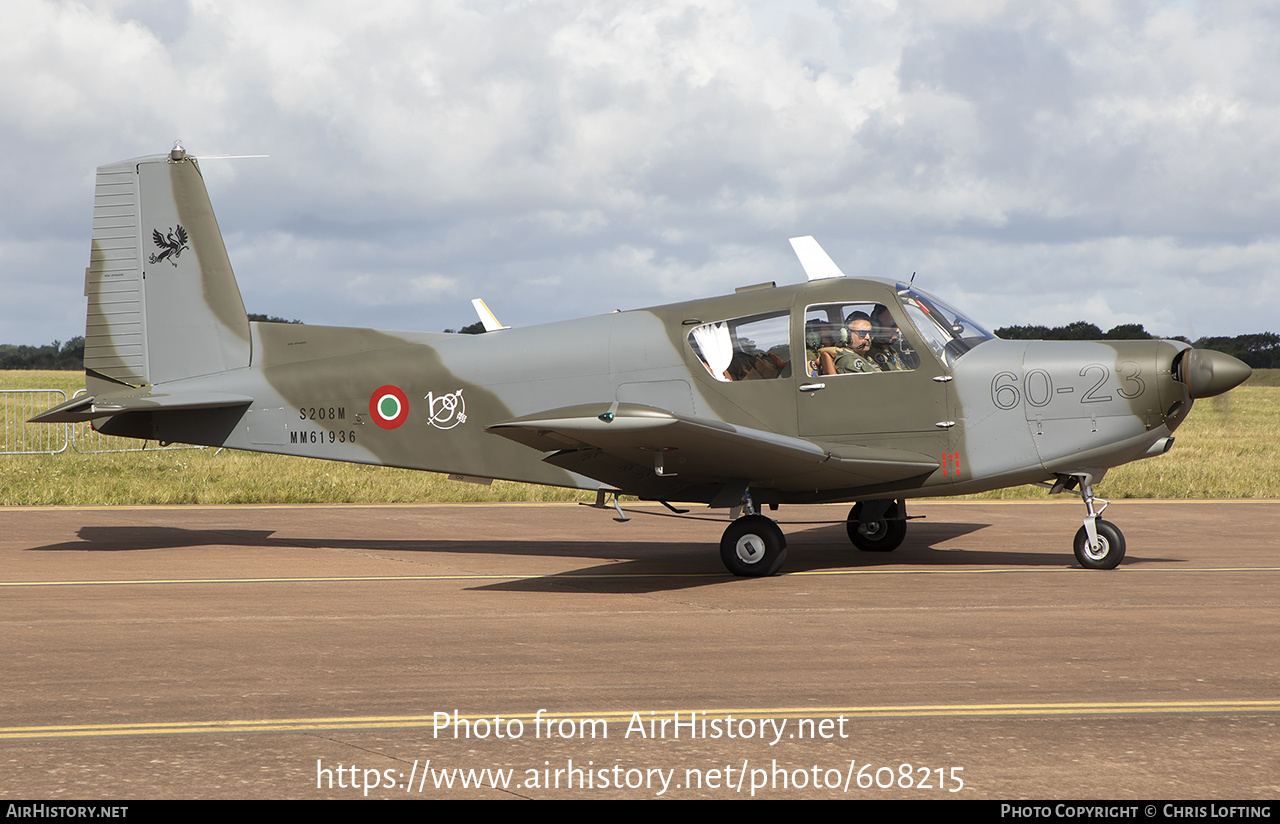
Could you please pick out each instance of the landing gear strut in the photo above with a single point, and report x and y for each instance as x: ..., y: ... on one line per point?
x: 877, y: 526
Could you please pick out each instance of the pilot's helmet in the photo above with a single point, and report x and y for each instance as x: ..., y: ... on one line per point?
x: 813, y: 335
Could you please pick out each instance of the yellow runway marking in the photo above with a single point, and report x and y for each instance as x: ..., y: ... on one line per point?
x: 623, y: 717
x: 925, y: 571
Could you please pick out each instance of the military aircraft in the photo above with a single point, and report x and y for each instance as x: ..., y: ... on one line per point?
x: 834, y: 390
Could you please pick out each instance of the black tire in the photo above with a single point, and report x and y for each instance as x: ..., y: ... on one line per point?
x: 753, y: 547
x: 1110, y: 551
x: 884, y: 535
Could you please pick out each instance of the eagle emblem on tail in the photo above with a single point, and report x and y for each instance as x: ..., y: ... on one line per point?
x: 172, y: 245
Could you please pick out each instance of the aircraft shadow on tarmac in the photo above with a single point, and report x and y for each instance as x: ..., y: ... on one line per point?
x: 817, y: 549
x: 630, y: 563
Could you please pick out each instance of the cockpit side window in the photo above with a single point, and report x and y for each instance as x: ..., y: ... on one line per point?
x: 757, y: 347
x: 854, y: 338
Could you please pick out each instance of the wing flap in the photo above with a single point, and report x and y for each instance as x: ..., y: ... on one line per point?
x: 708, y: 450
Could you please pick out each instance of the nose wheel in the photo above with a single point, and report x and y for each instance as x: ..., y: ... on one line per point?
x: 1102, y: 550
x: 1098, y: 544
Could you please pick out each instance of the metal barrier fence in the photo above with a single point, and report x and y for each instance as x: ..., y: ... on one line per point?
x: 16, y: 406
x: 17, y: 437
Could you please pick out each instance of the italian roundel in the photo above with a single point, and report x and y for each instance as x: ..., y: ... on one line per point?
x: 389, y: 406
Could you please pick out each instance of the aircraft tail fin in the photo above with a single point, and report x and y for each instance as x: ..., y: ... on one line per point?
x: 163, y: 300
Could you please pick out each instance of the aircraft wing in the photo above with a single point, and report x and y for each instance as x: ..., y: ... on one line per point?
x: 631, y: 442
x: 89, y: 407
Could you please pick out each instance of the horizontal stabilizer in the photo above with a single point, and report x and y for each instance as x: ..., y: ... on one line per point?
x: 694, y: 447
x: 88, y: 408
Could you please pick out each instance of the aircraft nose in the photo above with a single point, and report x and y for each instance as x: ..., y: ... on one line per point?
x: 1208, y: 373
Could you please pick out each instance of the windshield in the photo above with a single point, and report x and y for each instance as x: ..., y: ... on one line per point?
x: 948, y: 332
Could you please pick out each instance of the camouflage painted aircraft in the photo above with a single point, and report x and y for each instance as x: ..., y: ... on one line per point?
x: 834, y: 390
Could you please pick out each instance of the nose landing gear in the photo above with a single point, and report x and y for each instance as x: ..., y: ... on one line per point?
x: 1098, y: 544
x: 1104, y: 549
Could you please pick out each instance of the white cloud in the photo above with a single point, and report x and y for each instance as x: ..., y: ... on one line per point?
x: 1037, y: 159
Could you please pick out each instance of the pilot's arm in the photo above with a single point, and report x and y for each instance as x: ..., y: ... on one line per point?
x: 826, y: 363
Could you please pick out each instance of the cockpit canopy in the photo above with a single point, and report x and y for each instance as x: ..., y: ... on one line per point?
x: 839, y: 337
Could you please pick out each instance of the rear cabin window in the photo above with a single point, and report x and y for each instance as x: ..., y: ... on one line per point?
x: 745, y: 349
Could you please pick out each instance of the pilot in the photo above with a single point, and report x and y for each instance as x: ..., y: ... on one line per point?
x: 886, y: 342
x: 854, y: 357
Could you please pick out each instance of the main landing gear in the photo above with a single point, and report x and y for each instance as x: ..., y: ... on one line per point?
x: 754, y: 547
x: 1098, y: 544
x: 877, y: 526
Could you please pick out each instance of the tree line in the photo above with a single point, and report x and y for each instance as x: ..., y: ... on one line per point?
x: 1260, y: 350
x: 56, y: 355
x: 69, y: 356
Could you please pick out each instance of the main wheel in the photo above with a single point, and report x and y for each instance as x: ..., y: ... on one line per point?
x: 884, y: 535
x: 753, y: 546
x: 1107, y: 554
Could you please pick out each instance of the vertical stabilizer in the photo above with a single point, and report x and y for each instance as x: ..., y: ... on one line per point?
x: 163, y: 301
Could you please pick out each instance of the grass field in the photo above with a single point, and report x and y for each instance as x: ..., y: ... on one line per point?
x: 211, y: 476
x: 1226, y: 449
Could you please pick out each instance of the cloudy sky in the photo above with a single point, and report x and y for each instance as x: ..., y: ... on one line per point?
x: 1044, y: 162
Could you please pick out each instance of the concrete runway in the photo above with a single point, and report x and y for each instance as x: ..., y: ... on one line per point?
x: 258, y: 651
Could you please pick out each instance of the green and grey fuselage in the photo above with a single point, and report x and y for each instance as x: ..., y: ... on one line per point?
x: 633, y: 401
